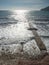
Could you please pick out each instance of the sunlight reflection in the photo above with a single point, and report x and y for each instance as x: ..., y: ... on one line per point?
x: 20, y: 11
x: 18, y: 31
x: 19, y: 15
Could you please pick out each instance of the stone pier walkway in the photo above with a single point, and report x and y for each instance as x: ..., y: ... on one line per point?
x: 38, y: 40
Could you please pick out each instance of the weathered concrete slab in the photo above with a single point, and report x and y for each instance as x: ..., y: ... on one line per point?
x: 38, y: 39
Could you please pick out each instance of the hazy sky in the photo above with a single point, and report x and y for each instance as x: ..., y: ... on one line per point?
x: 23, y: 4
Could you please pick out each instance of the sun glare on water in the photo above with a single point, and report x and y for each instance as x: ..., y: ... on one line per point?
x: 19, y: 15
x: 20, y: 11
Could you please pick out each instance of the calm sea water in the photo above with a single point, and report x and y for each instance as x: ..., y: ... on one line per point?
x: 14, y: 26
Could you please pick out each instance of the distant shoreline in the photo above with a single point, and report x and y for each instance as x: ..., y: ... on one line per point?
x: 45, y: 9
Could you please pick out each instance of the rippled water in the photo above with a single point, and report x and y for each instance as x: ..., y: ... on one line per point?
x: 14, y: 30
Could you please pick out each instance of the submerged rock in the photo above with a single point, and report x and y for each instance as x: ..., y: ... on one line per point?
x: 32, y: 29
x: 31, y: 48
x: 14, y: 48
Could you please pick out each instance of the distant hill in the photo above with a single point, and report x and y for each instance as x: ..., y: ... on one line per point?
x: 45, y: 9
